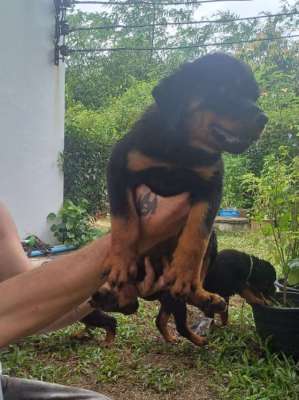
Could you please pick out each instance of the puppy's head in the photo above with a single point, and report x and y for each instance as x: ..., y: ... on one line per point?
x: 213, y: 102
x: 124, y: 301
x: 263, y: 278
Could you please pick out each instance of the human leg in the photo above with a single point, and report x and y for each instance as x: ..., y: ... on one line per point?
x: 25, y: 389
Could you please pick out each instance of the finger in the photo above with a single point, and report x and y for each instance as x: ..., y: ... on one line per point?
x: 106, y: 287
x: 169, y: 277
x: 122, y: 277
x: 160, y: 284
x: 133, y: 270
x: 146, y: 285
x: 113, y: 277
x: 168, y: 272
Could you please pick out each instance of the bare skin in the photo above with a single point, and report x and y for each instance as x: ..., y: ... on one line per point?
x: 33, y: 299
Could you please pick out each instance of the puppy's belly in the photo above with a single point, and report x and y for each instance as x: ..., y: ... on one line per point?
x: 167, y: 181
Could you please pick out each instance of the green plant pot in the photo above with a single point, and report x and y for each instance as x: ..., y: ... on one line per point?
x: 279, y: 325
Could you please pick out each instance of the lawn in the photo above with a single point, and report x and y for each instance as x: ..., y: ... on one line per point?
x: 234, y: 365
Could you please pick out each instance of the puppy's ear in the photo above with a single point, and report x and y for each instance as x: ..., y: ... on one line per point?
x: 171, y: 94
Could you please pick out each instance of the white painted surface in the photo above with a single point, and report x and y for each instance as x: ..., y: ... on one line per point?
x: 31, y: 114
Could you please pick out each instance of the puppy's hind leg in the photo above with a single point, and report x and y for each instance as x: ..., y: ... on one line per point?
x: 161, y: 323
x: 180, y: 316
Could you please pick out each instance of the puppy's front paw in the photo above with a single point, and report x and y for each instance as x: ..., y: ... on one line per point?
x: 122, y: 267
x: 179, y: 279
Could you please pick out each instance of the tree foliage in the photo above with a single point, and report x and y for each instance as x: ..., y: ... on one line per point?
x: 89, y: 138
x: 107, y: 91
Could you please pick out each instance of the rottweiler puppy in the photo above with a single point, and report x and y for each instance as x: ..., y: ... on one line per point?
x: 235, y: 272
x: 205, y: 108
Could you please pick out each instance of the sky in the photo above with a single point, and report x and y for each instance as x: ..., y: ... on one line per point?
x: 243, y: 8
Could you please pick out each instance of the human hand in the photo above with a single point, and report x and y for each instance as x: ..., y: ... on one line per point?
x: 161, y: 217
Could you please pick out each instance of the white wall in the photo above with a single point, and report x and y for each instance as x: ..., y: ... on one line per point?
x: 31, y: 114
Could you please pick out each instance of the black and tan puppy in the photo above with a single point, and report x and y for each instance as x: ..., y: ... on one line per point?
x: 206, y: 107
x: 234, y: 272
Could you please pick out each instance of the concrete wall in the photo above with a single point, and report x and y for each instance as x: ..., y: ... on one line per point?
x: 31, y: 114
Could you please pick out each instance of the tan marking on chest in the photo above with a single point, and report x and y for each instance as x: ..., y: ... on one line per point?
x: 139, y: 162
x: 210, y: 171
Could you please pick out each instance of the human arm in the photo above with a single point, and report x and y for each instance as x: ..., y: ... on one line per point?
x: 33, y: 300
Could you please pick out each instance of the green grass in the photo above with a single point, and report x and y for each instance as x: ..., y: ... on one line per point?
x: 245, y: 369
x: 235, y: 365
x: 251, y: 243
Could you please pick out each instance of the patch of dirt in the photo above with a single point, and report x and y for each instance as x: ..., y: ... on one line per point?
x: 196, y: 388
x: 193, y: 384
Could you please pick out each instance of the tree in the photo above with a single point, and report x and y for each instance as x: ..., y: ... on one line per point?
x: 102, y: 98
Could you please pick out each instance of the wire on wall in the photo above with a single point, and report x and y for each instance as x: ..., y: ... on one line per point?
x: 68, y: 51
x: 63, y: 29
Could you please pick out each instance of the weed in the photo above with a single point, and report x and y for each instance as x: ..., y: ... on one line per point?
x: 72, y: 224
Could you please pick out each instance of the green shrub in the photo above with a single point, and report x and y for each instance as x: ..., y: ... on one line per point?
x: 72, y: 224
x: 84, y: 163
x: 89, y: 138
x: 276, y: 194
x: 233, y: 192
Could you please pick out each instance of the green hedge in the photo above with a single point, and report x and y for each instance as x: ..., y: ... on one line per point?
x: 85, y: 161
x: 89, y: 138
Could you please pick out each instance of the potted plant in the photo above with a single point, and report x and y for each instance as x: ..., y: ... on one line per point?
x: 291, y: 282
x: 276, y: 200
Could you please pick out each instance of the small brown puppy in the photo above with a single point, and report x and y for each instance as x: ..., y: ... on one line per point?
x: 205, y: 108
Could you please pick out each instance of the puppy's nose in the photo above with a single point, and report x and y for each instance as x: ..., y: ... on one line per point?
x: 261, y: 120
